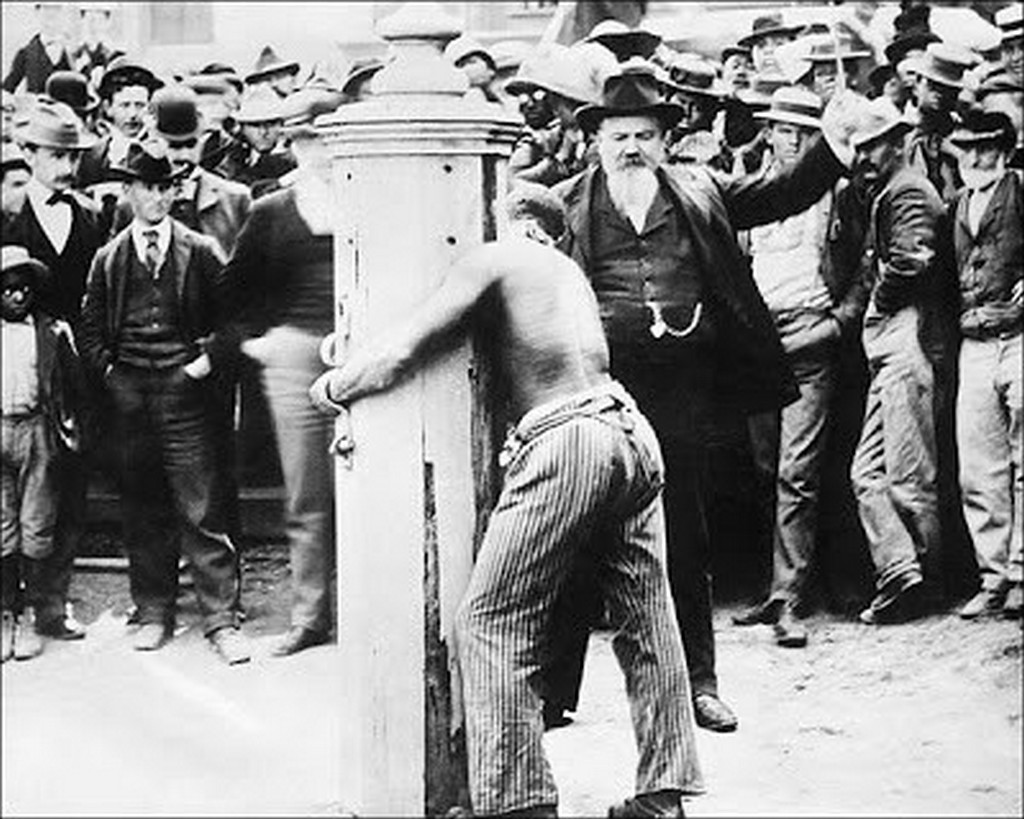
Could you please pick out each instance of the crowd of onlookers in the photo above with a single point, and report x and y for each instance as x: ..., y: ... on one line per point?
x: 167, y: 239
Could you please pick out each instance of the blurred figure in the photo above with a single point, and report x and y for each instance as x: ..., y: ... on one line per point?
x: 508, y: 56
x: 15, y: 178
x: 96, y: 50
x: 822, y: 54
x: 694, y: 88
x: 282, y: 275
x: 256, y: 156
x: 999, y: 92
x: 1010, y: 22
x: 989, y: 243
x: 476, y: 63
x: 280, y: 75
x: 45, y: 53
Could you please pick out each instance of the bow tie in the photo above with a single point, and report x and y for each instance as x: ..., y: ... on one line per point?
x: 59, y: 196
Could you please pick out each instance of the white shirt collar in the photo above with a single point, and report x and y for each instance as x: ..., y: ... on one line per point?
x: 39, y: 193
x: 163, y: 237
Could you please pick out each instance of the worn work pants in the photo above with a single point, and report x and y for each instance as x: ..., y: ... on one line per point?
x: 29, y: 486
x: 291, y: 362
x: 590, y: 463
x: 894, y: 467
x: 789, y: 448
x: 989, y: 444
x: 168, y: 480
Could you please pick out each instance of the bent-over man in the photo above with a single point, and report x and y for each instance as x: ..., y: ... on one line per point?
x: 580, y: 459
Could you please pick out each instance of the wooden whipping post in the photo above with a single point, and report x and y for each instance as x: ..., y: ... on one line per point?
x: 418, y: 169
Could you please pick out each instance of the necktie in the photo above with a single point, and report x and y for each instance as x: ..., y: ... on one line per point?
x: 152, y: 253
x: 59, y: 196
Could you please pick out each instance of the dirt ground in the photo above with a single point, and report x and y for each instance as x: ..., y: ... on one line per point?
x: 916, y: 719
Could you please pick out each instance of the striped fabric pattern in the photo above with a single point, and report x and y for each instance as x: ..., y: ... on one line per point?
x: 582, y: 467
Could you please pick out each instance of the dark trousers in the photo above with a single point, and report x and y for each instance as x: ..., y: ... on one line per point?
x: 166, y: 424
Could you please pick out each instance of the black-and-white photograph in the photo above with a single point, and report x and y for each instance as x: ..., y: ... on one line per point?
x: 534, y: 408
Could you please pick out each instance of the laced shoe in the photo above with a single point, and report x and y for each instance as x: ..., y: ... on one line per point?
x: 985, y: 603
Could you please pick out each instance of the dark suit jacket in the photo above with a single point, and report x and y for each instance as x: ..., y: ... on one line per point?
x: 69, y: 268
x: 198, y: 265
x: 32, y: 64
x: 752, y: 371
x: 909, y: 258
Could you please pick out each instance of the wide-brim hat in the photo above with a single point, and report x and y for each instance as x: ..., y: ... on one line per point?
x: 509, y: 54
x: 633, y: 91
x: 268, y: 64
x: 464, y: 47
x: 794, y: 105
x: 765, y: 26
x: 207, y: 84
x: 176, y: 113
x: 944, y: 63
x: 879, y: 118
x: 361, y: 71
x: 261, y: 104
x: 15, y: 258
x: 880, y: 75
x: 226, y: 72
x: 54, y: 125
x: 1000, y: 81
x: 124, y: 71
x: 692, y: 74
x: 821, y: 48
x: 306, y: 104
x: 624, y: 42
x: 985, y: 126
x: 1011, y: 21
x: 147, y: 162
x: 73, y: 88
x: 903, y: 44
x: 558, y: 70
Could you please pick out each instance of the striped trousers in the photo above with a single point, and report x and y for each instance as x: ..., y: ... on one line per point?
x: 576, y: 468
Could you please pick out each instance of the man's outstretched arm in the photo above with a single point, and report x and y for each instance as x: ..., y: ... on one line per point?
x: 384, y: 359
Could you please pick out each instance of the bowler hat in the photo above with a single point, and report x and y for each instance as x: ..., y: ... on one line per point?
x: 766, y: 25
x: 17, y: 258
x: 633, y: 91
x: 176, y: 111
x: 558, y: 70
x: 1011, y: 21
x: 261, y: 104
x: 624, y: 42
x: 879, y: 118
x: 54, y: 125
x: 268, y: 64
x: 124, y: 71
x: 147, y: 162
x: 880, y: 75
x: 944, y: 63
x: 794, y: 105
x: 73, y: 88
x: 986, y: 127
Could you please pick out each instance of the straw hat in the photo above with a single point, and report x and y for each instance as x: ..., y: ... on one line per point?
x: 794, y: 105
x: 879, y: 118
x: 54, y: 125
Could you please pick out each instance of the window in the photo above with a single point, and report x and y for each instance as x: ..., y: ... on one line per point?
x: 180, y: 23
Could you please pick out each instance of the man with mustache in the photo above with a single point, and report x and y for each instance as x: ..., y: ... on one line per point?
x: 689, y: 334
x: 60, y: 228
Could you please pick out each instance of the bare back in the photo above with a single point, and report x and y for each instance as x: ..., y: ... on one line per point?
x: 548, y: 333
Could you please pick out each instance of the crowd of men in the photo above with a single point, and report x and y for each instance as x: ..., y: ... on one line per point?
x: 819, y: 219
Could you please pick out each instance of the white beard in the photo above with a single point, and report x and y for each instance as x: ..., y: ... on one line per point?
x: 632, y: 191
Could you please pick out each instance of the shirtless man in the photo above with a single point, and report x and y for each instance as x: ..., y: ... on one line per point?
x: 581, y: 460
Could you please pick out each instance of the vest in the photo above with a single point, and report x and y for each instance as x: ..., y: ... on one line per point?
x: 151, y: 335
